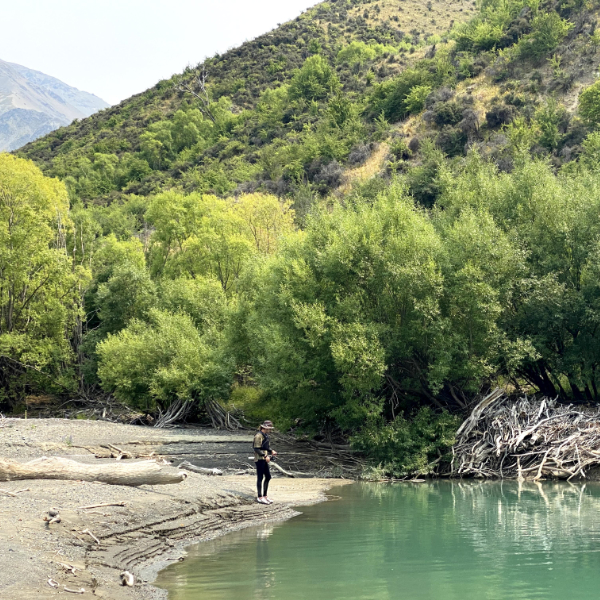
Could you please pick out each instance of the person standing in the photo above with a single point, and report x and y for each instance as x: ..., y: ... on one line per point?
x: 262, y: 458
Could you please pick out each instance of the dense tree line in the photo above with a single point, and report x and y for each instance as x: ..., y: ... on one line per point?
x: 377, y: 309
x: 376, y: 313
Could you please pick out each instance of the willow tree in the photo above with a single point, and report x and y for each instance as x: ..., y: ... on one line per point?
x: 39, y: 286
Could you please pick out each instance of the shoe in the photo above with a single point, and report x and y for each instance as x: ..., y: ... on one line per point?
x: 262, y: 501
x: 269, y: 501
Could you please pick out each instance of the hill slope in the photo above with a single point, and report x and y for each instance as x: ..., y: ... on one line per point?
x: 298, y: 111
x: 388, y: 36
x: 33, y: 104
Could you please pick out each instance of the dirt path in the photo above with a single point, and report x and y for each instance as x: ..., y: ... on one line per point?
x: 145, y: 534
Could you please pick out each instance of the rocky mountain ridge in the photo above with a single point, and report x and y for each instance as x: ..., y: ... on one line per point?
x: 33, y: 104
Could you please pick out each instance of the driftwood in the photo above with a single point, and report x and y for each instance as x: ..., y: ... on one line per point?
x: 68, y: 568
x: 14, y: 494
x: 188, y: 466
x: 88, y: 532
x: 103, y: 505
x: 527, y: 439
x: 119, y: 453
x: 177, y: 411
x: 288, y: 473
x: 132, y: 474
x: 220, y: 418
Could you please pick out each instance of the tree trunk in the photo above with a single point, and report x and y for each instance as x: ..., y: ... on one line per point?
x: 134, y: 474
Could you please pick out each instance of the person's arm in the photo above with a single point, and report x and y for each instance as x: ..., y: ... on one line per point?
x: 267, y: 447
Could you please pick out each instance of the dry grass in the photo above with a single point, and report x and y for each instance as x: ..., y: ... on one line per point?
x: 414, y: 14
x: 369, y: 169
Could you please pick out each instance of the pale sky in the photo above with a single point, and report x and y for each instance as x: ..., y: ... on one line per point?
x: 117, y: 48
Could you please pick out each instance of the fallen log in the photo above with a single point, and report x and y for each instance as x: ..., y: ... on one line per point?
x: 188, y: 466
x: 131, y: 474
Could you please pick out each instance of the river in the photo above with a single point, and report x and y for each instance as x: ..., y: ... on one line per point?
x: 438, y: 540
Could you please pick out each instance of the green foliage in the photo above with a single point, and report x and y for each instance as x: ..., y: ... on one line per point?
x: 359, y: 53
x: 422, y: 179
x: 162, y: 360
x: 38, y: 281
x: 314, y: 81
x: 589, y: 103
x: 590, y: 156
x: 489, y: 29
x: 548, y: 30
x: 476, y: 37
x: 415, y: 100
x: 205, y: 236
x: 396, y: 97
x: 408, y: 447
x: 373, y: 295
x: 549, y: 118
x: 549, y: 218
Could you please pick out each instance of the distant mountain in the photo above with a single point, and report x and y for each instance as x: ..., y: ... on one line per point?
x: 33, y: 104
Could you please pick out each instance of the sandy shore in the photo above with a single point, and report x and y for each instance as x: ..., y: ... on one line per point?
x: 153, y: 527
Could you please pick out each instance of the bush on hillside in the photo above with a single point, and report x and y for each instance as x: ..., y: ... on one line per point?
x: 447, y: 113
x: 589, y: 103
x: 314, y: 81
x: 548, y: 30
x: 499, y: 114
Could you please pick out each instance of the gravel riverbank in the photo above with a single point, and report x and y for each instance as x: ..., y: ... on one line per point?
x: 149, y: 530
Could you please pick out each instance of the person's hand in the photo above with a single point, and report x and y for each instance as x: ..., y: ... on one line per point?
x: 273, y: 453
x: 268, y: 459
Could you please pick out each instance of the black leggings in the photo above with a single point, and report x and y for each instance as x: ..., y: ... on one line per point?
x: 262, y: 470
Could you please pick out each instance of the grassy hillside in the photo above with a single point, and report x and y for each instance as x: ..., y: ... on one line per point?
x: 299, y: 111
x: 145, y: 144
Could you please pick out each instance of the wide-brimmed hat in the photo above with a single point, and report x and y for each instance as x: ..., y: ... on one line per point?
x: 267, y: 425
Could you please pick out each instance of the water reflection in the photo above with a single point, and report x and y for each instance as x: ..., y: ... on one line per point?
x: 441, y: 540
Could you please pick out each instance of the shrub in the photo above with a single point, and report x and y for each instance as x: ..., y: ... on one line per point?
x: 499, y: 114
x: 162, y: 360
x: 330, y: 176
x: 548, y: 30
x: 405, y: 447
x: 415, y: 100
x: 590, y: 155
x: 390, y: 97
x: 359, y: 53
x: 551, y: 118
x: 400, y: 150
x: 452, y: 140
x: 447, y: 113
x: 359, y: 154
x: 314, y: 81
x: 476, y: 37
x: 589, y: 103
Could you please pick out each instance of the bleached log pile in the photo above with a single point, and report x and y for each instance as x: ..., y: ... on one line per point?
x: 527, y: 438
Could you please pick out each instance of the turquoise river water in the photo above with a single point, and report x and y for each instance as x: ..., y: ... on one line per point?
x: 430, y: 541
